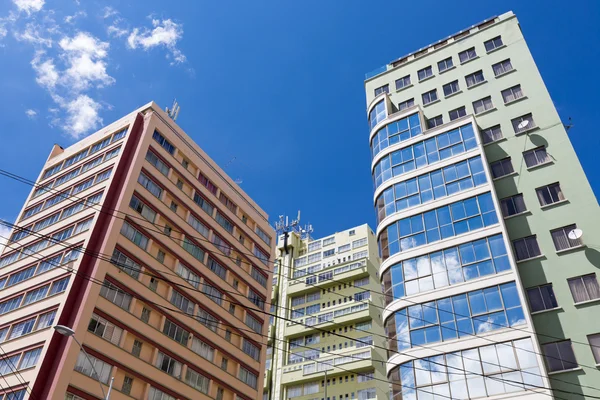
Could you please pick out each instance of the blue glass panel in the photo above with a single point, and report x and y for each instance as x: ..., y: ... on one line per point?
x: 449, y: 330
x: 430, y: 220
x: 485, y: 202
x: 407, y: 154
x: 416, y: 223
x: 396, y: 274
x: 486, y: 268
x: 471, y: 272
x: 515, y: 316
x: 445, y: 153
x: 419, y: 240
x: 411, y: 186
x: 458, y: 149
x: 445, y: 310
x: 471, y: 207
x: 415, y: 314
x: 417, y: 337
x: 393, y: 128
x: 443, y: 214
x: 466, y: 183
x: 414, y: 200
x: 410, y: 269
x: 398, y: 291
x: 461, y: 308
x: 492, y: 299
x: 404, y: 136
x: 414, y: 120
x: 407, y: 376
x: 396, y: 158
x: 467, y: 253
x: 402, y: 204
x: 394, y: 247
x: 426, y: 196
x: 450, y: 173
x: 452, y: 188
x: 477, y: 302
x: 454, y: 136
x: 430, y: 313
x: 443, y: 140
x: 400, y: 189
x: 432, y: 334
x: 404, y: 225
x: 394, y: 140
x: 461, y: 227
x: 481, y: 250
x: 392, y: 232
x: 402, y: 124
x: 490, y: 219
x: 502, y: 263
x: 433, y: 235
x: 497, y: 245
x: 464, y: 327
x: 424, y: 182
x: 451, y: 258
x: 462, y: 169
x: 458, y: 211
x: 475, y: 223
x: 510, y: 295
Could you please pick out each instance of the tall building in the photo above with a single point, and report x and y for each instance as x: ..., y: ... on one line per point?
x: 487, y: 225
x: 137, y: 241
x: 328, y: 341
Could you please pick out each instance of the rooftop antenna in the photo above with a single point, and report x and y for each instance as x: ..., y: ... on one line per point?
x: 569, y: 125
x: 173, y: 112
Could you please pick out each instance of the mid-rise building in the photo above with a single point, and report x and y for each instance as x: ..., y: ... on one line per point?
x: 326, y: 340
x: 487, y: 225
x: 161, y: 265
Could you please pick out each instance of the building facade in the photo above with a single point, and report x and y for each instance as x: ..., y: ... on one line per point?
x: 135, y: 239
x: 326, y: 341
x: 487, y: 225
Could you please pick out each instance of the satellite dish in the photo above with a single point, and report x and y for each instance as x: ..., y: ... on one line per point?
x: 523, y: 124
x: 575, y: 234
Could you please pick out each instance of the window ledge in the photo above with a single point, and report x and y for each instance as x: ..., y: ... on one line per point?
x: 453, y: 94
x: 565, y: 370
x: 496, y: 49
x: 502, y: 139
x: 427, y: 78
x: 505, y: 73
x: 530, y: 259
x: 583, y: 303
x: 490, y: 110
x: 505, y: 176
x: 469, y: 60
x: 404, y: 88
x: 548, y: 310
x: 477, y: 84
x: 433, y: 102
x: 525, y: 131
x: 547, y: 206
x: 540, y: 165
x: 526, y: 212
x: 508, y: 103
x: 447, y: 69
x: 574, y: 248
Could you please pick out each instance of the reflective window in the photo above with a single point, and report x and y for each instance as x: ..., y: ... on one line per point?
x: 559, y: 356
x: 406, y: 104
x: 474, y: 78
x: 536, y: 156
x: 441, y: 223
x: 467, y: 55
x: 425, y: 73
x: 457, y: 113
x: 502, y: 67
x: 463, y: 315
x: 451, y: 88
x: 434, y: 185
x: 435, y: 121
x: 492, y: 134
x: 474, y: 373
x: 427, y: 152
x: 382, y: 89
x: 501, y: 168
x: 402, y: 82
x: 396, y: 132
x: 445, y: 64
x: 493, y: 44
x: 429, y: 97
x: 446, y: 267
x: 377, y: 114
x: 541, y: 298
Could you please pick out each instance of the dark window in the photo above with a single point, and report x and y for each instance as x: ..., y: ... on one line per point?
x: 561, y: 238
x: 536, y: 156
x: 502, y: 67
x: 584, y: 288
x: 559, y: 356
x: 493, y: 44
x: 523, y: 123
x: 425, y: 73
x: 451, y: 88
x: 542, y: 298
x: 492, y: 134
x: 406, y: 104
x: 550, y: 194
x: 403, y: 82
x: 501, y: 168
x: 459, y: 112
x: 513, y: 205
x: 445, y: 64
x: 435, y: 121
x: 430, y: 96
x: 467, y: 55
x: 526, y: 247
x: 474, y: 78
x: 382, y: 89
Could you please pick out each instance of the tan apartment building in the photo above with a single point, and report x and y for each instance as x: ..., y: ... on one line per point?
x: 161, y: 265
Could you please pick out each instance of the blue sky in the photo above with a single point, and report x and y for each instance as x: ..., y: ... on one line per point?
x: 272, y: 90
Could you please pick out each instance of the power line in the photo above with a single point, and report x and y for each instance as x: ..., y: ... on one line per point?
x: 94, y: 280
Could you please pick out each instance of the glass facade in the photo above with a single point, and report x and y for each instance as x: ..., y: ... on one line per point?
x: 485, y: 371
x: 377, y: 114
x: 396, y: 132
x: 467, y: 314
x: 432, y: 186
x: 440, y: 147
x: 446, y: 267
x: 441, y: 223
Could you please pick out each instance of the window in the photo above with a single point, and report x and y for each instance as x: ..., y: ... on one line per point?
x: 220, y: 392
x: 584, y: 288
x: 425, y: 73
x: 344, y: 248
x: 328, y: 241
x: 542, y: 298
x: 253, y: 323
x: 134, y: 235
x: 145, y: 316
x: 115, y: 295
x: 197, y: 381
x: 328, y: 253
x: 366, y: 394
x: 176, y: 332
x: 182, y: 302
x: 550, y: 194
x: 429, y: 97
x: 224, y: 363
x: 559, y: 356
x: 93, y: 367
x: 207, y: 183
x: 150, y: 185
x: 382, y: 89
x: 202, y: 349
x: 224, y: 222
x: 30, y: 358
x: 173, y: 206
x: 482, y: 105
x: 493, y: 44
x: 451, y: 88
x: 526, y: 248
x: 126, y: 264
x: 406, y: 104
x: 35, y: 295
x: 513, y: 205
x: 435, y: 121
x: 561, y: 238
x: 155, y: 394
x: 501, y: 168
x: 492, y: 134
x: 502, y: 67
x: 536, y: 156
x: 474, y: 78
x: 402, y: 82
x: 106, y: 330
x: 127, y: 384
x: 45, y: 320
x: 314, y: 246
x: 250, y: 349
x: 169, y: 365
x: 512, y: 94
x: 247, y: 377
x: 523, y: 123
x: 263, y: 235
x: 196, y: 251
x: 231, y: 206
x: 595, y: 346
x: 467, y: 55
x: 457, y: 113
x: 22, y: 328
x: 160, y: 139
x: 445, y: 64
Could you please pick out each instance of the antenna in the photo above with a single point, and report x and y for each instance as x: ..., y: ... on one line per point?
x: 173, y: 112
x: 569, y: 125
x: 283, y: 226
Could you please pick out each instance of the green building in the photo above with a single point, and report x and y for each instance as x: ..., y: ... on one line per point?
x: 487, y: 226
x: 328, y: 342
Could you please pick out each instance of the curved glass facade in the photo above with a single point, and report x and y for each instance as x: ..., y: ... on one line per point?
x: 396, y: 132
x: 485, y: 371
x: 463, y: 315
x: 440, y: 223
x: 427, y: 152
x: 432, y: 186
x: 377, y: 114
x: 446, y: 267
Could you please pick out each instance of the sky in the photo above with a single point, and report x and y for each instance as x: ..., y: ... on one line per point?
x: 272, y: 90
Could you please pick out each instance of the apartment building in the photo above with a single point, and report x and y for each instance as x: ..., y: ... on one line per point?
x: 326, y: 341
x: 138, y: 242
x: 487, y: 225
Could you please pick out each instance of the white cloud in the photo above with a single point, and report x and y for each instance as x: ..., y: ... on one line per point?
x: 69, y: 19
x: 32, y: 35
x: 114, y: 30
x: 109, y: 12
x: 31, y: 114
x: 4, y: 233
x: 47, y: 76
x: 29, y: 6
x: 166, y: 33
x: 82, y: 116
x: 3, y: 31
x: 85, y: 55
